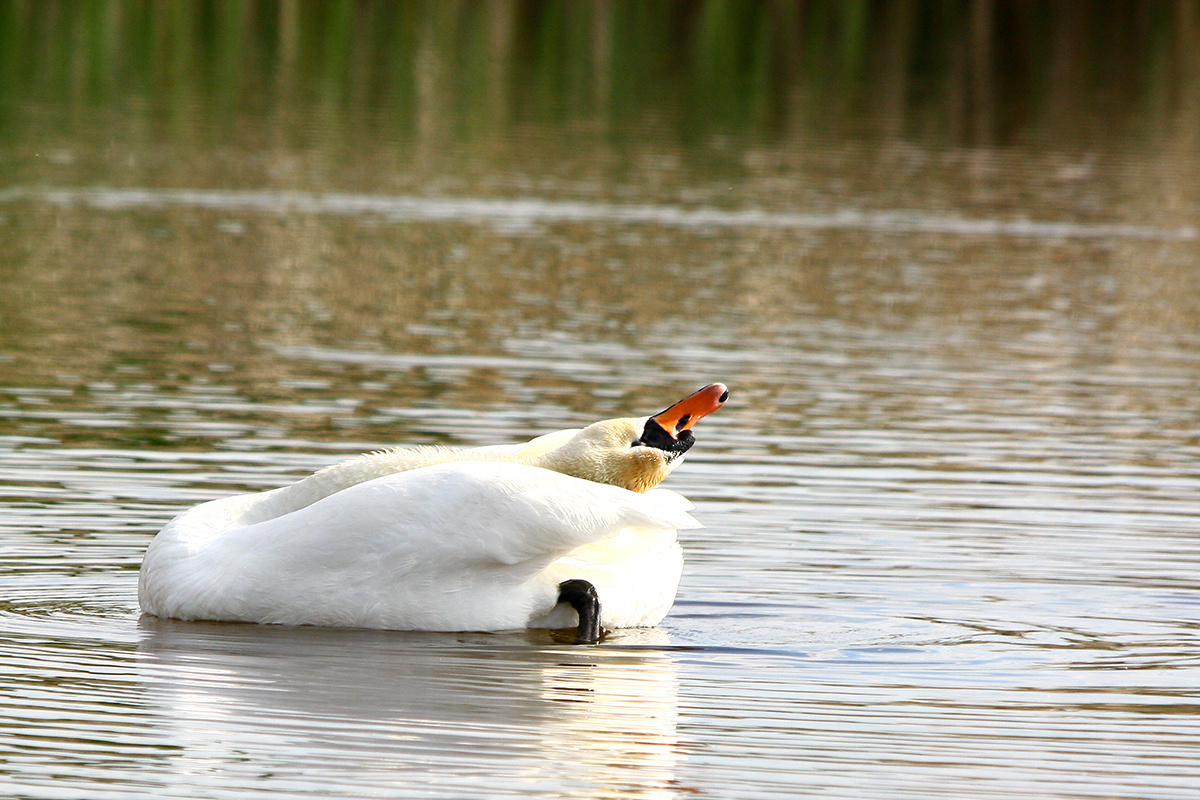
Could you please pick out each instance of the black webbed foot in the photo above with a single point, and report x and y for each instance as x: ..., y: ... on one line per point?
x: 581, y: 596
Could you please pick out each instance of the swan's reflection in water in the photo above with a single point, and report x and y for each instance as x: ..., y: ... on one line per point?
x: 309, y: 710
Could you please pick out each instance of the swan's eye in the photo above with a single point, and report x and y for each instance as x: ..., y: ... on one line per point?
x: 636, y: 443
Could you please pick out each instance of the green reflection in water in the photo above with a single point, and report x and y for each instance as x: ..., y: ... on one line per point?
x: 965, y: 70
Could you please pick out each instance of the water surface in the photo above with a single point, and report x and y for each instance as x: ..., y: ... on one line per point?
x: 951, y: 508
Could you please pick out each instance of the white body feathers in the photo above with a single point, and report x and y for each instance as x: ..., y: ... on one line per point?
x: 460, y: 545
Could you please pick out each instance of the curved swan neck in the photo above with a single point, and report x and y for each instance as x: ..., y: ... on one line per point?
x: 579, y: 457
x: 359, y: 469
x: 638, y: 472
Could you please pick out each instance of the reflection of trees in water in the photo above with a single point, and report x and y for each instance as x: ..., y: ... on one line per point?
x: 974, y: 70
x: 603, y: 103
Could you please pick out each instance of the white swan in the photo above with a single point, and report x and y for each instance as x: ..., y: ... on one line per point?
x: 563, y: 531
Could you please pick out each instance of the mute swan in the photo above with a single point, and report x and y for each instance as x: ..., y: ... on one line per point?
x: 566, y: 530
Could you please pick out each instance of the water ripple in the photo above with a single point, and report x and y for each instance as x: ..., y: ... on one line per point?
x: 525, y: 213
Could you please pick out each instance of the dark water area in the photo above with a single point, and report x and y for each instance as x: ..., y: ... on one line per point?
x: 945, y: 255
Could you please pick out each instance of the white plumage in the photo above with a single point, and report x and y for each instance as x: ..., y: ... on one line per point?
x: 434, y: 539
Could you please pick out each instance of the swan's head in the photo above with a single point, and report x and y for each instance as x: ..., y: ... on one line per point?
x: 636, y: 453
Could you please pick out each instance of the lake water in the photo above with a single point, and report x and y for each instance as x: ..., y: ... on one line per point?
x: 952, y: 508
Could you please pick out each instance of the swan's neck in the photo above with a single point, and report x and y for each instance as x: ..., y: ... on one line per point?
x: 638, y: 474
x: 343, y: 475
x: 628, y: 474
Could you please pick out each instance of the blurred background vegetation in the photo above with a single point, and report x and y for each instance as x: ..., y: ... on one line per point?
x: 955, y: 71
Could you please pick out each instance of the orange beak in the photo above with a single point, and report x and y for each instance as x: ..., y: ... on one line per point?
x: 688, y: 411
